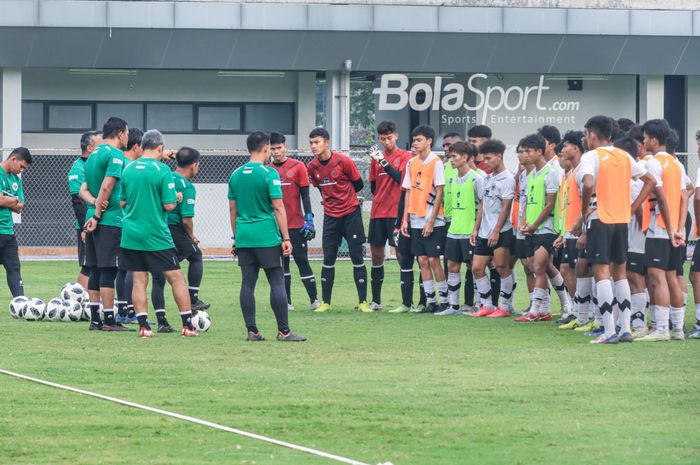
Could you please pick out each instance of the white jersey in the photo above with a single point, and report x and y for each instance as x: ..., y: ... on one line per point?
x: 589, y: 165
x: 418, y: 222
x: 655, y: 168
x: 497, y: 188
x: 522, y: 200
x: 635, y: 236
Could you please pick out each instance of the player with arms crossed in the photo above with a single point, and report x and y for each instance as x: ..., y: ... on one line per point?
x: 257, y: 220
x: 338, y: 179
x: 147, y: 195
x: 295, y: 194
x: 385, y: 176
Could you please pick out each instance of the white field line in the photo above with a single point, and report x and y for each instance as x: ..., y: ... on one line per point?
x: 227, y: 429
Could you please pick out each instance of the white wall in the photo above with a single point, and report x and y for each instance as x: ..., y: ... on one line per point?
x: 170, y: 86
x: 693, y: 111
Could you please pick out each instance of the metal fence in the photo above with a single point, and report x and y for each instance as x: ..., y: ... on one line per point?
x: 46, y: 227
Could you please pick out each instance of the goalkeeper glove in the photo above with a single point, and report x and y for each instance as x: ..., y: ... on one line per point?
x: 308, y: 231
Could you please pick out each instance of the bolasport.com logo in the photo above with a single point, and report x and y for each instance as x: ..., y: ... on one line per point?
x: 395, y: 94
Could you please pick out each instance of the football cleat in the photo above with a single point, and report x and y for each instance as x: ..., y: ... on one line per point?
x: 400, y: 309
x: 418, y: 309
x: 573, y: 324
x: 589, y: 326
x: 499, y: 313
x: 544, y: 317
x: 528, y: 317
x: 323, y: 307
x: 626, y: 337
x: 290, y: 337
x: 695, y: 334
x: 146, y: 332
x: 314, y: 305
x: 449, y: 311
x: 255, y: 337
x: 482, y: 312
x: 188, y: 332
x: 290, y: 307
x: 603, y: 339
x: 166, y: 328
x: 568, y: 318
x: 656, y: 336
x: 363, y: 307
x: 678, y: 334
x: 375, y: 307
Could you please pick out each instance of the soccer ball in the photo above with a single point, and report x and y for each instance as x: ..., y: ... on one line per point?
x: 71, y: 311
x: 87, y: 313
x: 74, y: 291
x: 17, y: 306
x: 201, y: 321
x: 34, y: 310
x: 53, y: 309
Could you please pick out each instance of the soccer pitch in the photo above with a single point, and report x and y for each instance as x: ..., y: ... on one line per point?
x: 409, y: 389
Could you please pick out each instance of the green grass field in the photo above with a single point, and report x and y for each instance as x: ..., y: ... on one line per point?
x: 410, y: 389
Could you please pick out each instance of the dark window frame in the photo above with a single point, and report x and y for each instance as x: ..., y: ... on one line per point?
x: 195, y: 114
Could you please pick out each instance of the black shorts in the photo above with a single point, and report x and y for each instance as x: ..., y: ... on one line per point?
x: 683, y: 252
x: 300, y: 246
x: 404, y: 245
x: 431, y: 246
x: 557, y: 257
x: 458, y: 250
x: 381, y: 231
x: 102, y: 247
x: 262, y: 257
x: 183, y: 243
x: 660, y: 254
x: 152, y: 261
x: 9, y: 250
x: 695, y: 263
x: 636, y: 263
x: 81, y: 249
x: 349, y: 227
x: 535, y: 241
x: 607, y: 243
x: 570, y: 252
x: 521, y: 248
x: 505, y: 239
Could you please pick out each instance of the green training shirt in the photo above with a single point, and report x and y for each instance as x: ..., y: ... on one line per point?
x: 252, y: 186
x: 10, y: 185
x: 186, y: 208
x: 463, y: 202
x: 450, y: 173
x: 105, y: 161
x: 76, y: 178
x: 147, y: 185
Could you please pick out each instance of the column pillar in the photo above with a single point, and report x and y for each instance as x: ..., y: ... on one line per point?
x: 11, y: 108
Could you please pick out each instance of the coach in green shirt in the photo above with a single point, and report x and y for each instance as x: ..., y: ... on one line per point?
x: 12, y: 201
x: 260, y: 235
x: 147, y: 195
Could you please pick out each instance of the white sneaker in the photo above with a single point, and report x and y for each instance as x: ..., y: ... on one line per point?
x: 290, y: 307
x: 315, y: 305
x: 678, y: 334
x: 656, y: 336
x: 375, y: 306
x: 639, y: 333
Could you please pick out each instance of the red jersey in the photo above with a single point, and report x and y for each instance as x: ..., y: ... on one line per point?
x: 334, y: 179
x: 293, y: 177
x: 387, y: 192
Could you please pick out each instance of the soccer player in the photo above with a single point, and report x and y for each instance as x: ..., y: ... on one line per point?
x: 147, y: 194
x: 12, y: 201
x: 385, y: 175
x: 295, y: 194
x: 664, y: 239
x: 181, y: 226
x: 538, y: 229
x: 76, y: 176
x: 260, y: 235
x: 521, y: 250
x: 424, y: 219
x: 101, y: 190
x: 339, y: 181
x: 695, y: 264
x: 493, y: 236
x: 476, y: 136
x: 461, y: 199
x: 607, y: 172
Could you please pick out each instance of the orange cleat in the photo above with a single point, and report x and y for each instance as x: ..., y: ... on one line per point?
x: 499, y: 313
x: 483, y: 311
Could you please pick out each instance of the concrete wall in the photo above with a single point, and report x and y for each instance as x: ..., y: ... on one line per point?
x: 168, y: 86
x: 693, y: 114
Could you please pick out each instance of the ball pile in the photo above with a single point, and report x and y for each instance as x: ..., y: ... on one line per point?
x: 71, y: 305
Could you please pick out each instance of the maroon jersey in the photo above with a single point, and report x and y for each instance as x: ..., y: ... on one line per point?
x: 387, y: 192
x: 335, y: 179
x: 293, y: 177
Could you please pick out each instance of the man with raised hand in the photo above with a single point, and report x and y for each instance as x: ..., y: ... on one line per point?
x: 607, y: 173
x: 295, y: 194
x: 260, y: 235
x: 147, y: 195
x: 76, y: 176
x: 339, y: 181
x: 385, y: 176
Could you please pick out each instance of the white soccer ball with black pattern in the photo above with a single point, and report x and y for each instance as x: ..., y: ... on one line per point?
x: 201, y: 321
x: 17, y: 306
x: 71, y: 311
x: 34, y: 310
x: 74, y: 291
x: 52, y: 312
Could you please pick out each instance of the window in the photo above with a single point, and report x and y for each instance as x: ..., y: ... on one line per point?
x: 132, y: 113
x: 277, y: 117
x: 219, y: 118
x: 70, y: 116
x: 32, y: 116
x: 170, y: 117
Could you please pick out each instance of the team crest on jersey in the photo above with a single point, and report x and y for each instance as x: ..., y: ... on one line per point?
x: 334, y: 174
x: 326, y: 181
x: 15, y: 186
x: 290, y: 174
x: 397, y: 163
